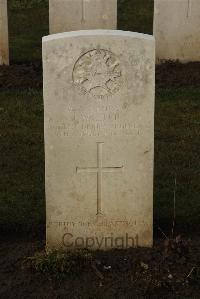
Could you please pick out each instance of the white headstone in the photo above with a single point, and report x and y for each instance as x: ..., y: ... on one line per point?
x: 99, y: 138
x: 176, y: 30
x: 4, y: 48
x: 71, y: 15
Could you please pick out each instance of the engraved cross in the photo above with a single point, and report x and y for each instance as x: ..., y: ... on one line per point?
x: 99, y: 170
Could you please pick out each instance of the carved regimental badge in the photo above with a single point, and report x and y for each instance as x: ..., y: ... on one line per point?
x: 98, y: 72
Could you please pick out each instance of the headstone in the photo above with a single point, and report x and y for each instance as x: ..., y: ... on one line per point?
x: 4, y: 48
x: 176, y: 30
x: 71, y: 15
x: 99, y: 138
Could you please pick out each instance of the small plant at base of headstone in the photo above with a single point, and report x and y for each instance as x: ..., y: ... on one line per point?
x: 58, y: 263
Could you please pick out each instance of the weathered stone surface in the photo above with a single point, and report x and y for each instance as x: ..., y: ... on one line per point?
x: 71, y: 15
x: 176, y: 30
x: 99, y: 138
x: 4, y: 48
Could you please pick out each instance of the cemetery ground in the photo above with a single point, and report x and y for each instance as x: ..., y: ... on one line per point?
x: 172, y: 267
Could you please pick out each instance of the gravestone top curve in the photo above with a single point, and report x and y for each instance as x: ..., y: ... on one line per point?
x: 99, y: 88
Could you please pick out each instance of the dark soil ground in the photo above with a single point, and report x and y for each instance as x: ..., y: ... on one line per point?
x: 169, y: 270
x: 172, y: 268
x: 21, y: 76
x: 175, y: 75
x: 168, y: 75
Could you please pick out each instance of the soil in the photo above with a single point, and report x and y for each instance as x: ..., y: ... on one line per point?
x: 168, y: 75
x: 170, y: 270
x: 166, y: 271
x: 175, y: 74
x: 21, y: 76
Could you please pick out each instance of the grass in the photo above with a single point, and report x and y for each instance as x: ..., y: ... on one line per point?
x: 27, y: 25
x: 22, y: 191
x: 29, y: 22
x: 177, y: 123
x: 22, y: 158
x: 22, y: 161
x: 59, y: 264
x: 136, y: 15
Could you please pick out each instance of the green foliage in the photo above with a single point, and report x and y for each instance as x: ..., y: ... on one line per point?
x: 177, y: 143
x: 27, y: 3
x: 136, y: 15
x: 29, y: 22
x: 177, y: 126
x: 60, y: 263
x: 22, y: 204
x: 177, y: 146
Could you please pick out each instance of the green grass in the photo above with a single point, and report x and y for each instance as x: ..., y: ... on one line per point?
x: 22, y: 158
x: 136, y: 15
x: 177, y: 126
x: 177, y: 144
x: 27, y: 25
x: 29, y: 22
